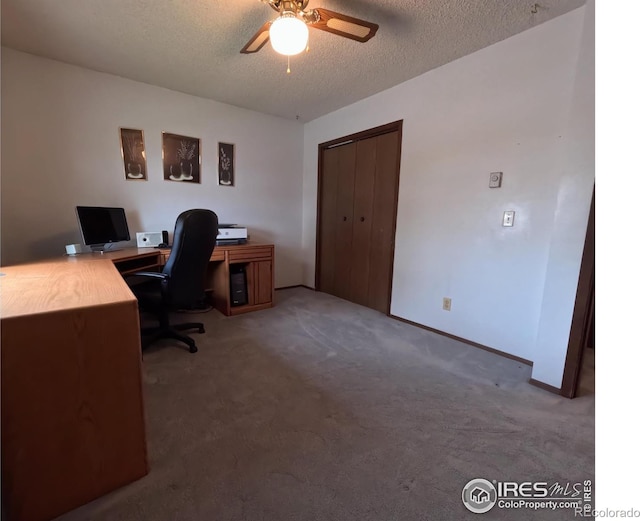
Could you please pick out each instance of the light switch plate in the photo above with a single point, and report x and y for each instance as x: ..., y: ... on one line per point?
x: 508, y: 217
x: 495, y: 179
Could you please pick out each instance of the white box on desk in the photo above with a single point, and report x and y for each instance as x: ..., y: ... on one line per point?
x: 148, y: 239
x: 74, y: 249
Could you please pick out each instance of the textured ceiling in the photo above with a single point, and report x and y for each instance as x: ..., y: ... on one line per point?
x: 193, y: 46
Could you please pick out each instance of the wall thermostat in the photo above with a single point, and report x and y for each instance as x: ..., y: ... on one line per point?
x: 495, y: 179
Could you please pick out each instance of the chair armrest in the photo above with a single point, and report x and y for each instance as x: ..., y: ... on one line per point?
x: 150, y: 274
x: 142, y: 279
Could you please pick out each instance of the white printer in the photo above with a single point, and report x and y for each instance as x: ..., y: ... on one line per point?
x: 231, y: 234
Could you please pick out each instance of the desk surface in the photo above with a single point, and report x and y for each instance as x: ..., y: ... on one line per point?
x: 67, y: 282
x: 72, y: 281
x: 46, y: 287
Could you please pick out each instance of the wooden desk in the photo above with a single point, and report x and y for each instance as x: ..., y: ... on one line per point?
x: 72, y: 406
x: 256, y: 258
x: 72, y: 409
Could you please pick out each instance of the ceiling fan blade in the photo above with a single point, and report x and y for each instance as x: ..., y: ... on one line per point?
x: 343, y: 25
x: 259, y: 39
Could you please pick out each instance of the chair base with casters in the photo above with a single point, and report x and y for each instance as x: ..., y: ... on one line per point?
x: 152, y: 301
x: 166, y: 330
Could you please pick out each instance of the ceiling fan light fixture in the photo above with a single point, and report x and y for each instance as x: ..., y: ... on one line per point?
x: 288, y: 34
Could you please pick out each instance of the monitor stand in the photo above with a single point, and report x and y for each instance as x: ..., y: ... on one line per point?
x: 97, y: 248
x: 101, y: 248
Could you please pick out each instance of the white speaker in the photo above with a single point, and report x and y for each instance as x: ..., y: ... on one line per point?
x: 74, y: 249
x: 148, y: 239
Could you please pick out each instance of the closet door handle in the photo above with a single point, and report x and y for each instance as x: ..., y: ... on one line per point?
x: 344, y: 218
x: 361, y: 219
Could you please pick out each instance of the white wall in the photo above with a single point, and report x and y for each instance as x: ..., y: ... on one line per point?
x: 504, y: 108
x: 570, y: 219
x: 61, y: 148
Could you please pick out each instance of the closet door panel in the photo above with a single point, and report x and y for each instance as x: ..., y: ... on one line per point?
x: 362, y: 220
x: 328, y: 220
x: 345, y: 170
x: 384, y: 217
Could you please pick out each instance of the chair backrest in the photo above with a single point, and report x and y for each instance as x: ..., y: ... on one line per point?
x: 194, y: 238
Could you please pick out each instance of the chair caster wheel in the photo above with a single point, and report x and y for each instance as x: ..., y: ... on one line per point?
x: 193, y: 349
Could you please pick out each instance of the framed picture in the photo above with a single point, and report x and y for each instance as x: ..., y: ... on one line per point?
x: 133, y: 154
x: 181, y: 158
x: 226, y: 164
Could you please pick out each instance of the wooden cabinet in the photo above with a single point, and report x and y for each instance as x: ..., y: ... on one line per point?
x: 357, y: 213
x: 257, y: 260
x: 262, y: 284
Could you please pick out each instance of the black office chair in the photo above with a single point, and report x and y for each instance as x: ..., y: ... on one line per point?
x: 181, y: 284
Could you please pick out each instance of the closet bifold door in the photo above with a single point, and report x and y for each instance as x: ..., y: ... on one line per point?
x: 357, y: 202
x: 383, y: 221
x: 363, y: 211
x: 337, y: 220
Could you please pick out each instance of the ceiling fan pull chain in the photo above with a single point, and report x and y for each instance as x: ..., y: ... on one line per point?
x: 288, y: 65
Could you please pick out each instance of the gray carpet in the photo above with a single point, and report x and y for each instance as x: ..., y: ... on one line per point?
x: 319, y: 409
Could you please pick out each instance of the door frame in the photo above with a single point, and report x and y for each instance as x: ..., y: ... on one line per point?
x: 345, y: 140
x: 583, y: 310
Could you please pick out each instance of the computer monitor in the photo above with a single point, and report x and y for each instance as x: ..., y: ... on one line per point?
x: 102, y: 225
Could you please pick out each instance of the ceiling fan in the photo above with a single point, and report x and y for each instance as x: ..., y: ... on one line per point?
x: 289, y: 32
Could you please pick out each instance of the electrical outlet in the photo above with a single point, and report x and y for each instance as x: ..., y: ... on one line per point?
x: 446, y: 304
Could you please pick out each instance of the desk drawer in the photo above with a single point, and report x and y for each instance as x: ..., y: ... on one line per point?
x: 250, y: 254
x: 217, y: 255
